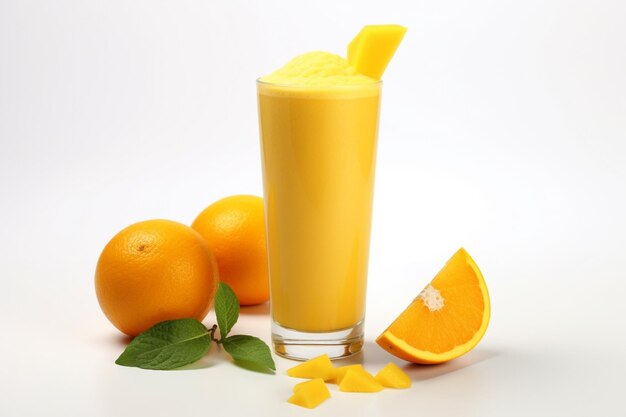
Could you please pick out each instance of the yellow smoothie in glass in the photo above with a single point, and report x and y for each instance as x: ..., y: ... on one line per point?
x: 318, y: 122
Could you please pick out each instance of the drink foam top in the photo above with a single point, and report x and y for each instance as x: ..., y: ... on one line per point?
x: 317, y: 69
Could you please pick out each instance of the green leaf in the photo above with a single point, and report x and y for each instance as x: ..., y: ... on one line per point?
x: 167, y: 345
x: 250, y: 352
x: 226, y: 309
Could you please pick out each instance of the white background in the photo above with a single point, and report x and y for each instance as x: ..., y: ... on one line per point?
x: 503, y: 130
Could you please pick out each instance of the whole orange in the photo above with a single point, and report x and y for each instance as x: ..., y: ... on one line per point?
x: 234, y: 228
x: 153, y: 271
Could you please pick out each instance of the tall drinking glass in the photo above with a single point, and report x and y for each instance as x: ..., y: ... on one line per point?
x: 319, y: 155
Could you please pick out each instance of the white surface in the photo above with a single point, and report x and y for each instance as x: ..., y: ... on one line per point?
x: 503, y: 130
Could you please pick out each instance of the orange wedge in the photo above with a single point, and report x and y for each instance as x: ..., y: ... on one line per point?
x: 447, y: 319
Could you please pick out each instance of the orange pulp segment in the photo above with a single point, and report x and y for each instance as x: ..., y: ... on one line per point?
x: 319, y: 367
x: 391, y: 376
x: 359, y: 380
x: 342, y: 370
x: 372, y: 49
x: 310, y: 394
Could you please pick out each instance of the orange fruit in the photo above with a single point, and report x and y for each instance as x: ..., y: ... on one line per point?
x: 153, y: 271
x: 234, y: 228
x: 447, y: 319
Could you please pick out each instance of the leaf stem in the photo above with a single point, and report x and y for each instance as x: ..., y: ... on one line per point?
x: 212, y: 334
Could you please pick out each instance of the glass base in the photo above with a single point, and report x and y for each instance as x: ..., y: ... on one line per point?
x: 293, y: 344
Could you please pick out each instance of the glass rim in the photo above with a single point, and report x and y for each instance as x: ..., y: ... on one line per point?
x: 375, y: 83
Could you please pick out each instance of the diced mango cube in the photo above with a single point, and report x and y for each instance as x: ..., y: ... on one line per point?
x: 320, y: 367
x: 372, y: 49
x: 340, y: 372
x: 391, y: 376
x: 356, y: 380
x: 310, y: 394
